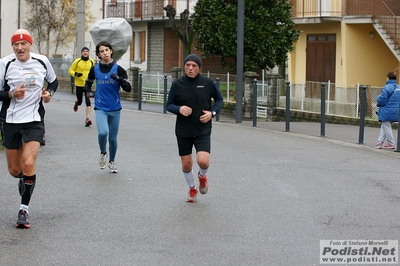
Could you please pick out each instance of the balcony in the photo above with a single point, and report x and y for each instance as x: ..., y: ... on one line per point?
x: 138, y: 10
x: 316, y: 8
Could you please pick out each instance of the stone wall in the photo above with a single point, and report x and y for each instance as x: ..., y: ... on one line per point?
x: 155, y: 50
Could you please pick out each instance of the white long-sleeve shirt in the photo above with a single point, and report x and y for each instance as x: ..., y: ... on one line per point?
x: 32, y: 74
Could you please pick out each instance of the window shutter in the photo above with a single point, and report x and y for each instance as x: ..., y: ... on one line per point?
x: 142, y: 46
x: 132, y: 48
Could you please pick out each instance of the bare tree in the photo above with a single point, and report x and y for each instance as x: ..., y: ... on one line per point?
x: 38, y: 22
x: 183, y: 33
x: 53, y: 22
x: 65, y: 25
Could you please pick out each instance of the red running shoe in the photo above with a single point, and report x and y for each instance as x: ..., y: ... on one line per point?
x: 192, y: 195
x: 203, y: 186
x: 75, y: 107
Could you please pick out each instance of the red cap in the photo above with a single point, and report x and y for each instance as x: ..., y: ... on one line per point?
x: 21, y: 37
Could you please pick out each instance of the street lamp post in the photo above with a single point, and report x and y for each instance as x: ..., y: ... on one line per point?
x: 239, y: 61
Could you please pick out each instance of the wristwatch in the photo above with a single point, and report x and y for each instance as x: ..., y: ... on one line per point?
x: 51, y: 92
x: 213, y: 114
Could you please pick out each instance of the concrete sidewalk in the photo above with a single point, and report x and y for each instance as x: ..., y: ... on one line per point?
x: 344, y: 133
x: 273, y: 195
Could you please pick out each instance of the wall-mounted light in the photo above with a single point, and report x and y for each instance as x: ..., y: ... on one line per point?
x: 372, y: 34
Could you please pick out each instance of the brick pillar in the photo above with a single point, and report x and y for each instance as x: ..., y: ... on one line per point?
x: 248, y: 93
x: 134, y: 80
x: 273, y: 93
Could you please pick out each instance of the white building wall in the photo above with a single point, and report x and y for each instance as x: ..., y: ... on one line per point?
x: 9, y: 15
x: 9, y: 24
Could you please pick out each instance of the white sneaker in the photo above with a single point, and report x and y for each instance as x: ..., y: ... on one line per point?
x: 103, y: 160
x: 113, y: 167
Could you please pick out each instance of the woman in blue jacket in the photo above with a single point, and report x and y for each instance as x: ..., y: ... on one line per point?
x: 109, y: 77
x: 388, y: 103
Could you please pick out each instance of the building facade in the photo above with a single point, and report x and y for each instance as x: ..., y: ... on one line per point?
x: 345, y: 41
x: 342, y: 41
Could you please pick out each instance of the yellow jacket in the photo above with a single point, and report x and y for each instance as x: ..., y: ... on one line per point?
x: 81, y: 66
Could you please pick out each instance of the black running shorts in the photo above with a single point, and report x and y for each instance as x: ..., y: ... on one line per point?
x: 201, y: 143
x: 16, y: 134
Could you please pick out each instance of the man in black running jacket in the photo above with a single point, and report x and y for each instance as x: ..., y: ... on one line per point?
x: 190, y: 98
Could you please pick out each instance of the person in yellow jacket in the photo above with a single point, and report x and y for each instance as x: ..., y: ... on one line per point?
x: 79, y: 70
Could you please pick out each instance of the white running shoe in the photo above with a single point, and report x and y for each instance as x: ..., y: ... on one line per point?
x: 113, y: 167
x: 103, y: 160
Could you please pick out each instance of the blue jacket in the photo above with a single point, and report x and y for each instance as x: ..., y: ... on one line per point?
x: 388, y: 102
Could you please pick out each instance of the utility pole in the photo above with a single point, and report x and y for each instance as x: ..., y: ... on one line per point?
x: 80, y: 27
x: 239, y: 61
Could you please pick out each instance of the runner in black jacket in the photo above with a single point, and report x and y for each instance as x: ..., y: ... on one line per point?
x: 190, y: 99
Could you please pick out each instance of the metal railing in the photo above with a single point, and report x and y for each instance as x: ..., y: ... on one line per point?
x: 145, y: 9
x: 388, y: 20
x: 316, y: 8
x: 304, y: 96
x: 339, y: 100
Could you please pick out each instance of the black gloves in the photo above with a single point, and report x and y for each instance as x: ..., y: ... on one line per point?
x: 120, y: 80
x: 115, y: 77
x: 77, y: 74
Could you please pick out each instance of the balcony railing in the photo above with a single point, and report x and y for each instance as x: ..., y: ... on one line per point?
x: 146, y: 9
x: 316, y: 8
x: 377, y: 9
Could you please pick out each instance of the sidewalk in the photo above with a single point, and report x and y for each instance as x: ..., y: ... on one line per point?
x: 344, y: 133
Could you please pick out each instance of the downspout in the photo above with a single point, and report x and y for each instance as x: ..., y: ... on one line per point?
x: 104, y: 9
x: 19, y: 14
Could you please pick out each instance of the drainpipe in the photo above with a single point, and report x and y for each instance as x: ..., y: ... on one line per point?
x: 19, y: 14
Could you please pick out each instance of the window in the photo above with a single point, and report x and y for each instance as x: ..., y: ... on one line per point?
x: 138, y: 46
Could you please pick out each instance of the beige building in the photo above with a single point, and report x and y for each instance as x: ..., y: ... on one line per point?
x: 345, y: 41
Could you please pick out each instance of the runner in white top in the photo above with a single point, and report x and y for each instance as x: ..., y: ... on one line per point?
x: 32, y: 74
x: 22, y: 93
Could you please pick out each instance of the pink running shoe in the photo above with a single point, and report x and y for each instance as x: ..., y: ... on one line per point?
x: 388, y: 146
x: 378, y: 145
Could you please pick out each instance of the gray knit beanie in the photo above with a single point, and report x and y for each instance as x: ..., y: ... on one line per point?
x: 193, y: 57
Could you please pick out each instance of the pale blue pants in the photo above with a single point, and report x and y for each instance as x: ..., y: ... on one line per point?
x: 108, y: 126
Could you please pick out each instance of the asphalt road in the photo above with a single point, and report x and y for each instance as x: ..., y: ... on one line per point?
x: 273, y: 196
